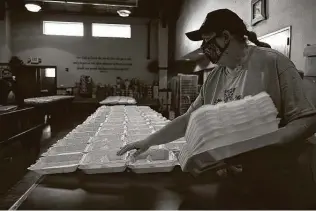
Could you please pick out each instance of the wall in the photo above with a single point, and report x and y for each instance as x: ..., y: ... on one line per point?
x: 28, y: 41
x: 5, y: 39
x: 282, y: 13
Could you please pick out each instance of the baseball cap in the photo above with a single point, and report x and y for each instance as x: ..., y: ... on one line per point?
x: 217, y: 21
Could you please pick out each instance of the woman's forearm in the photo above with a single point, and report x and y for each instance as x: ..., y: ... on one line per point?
x: 300, y: 129
x: 171, y: 132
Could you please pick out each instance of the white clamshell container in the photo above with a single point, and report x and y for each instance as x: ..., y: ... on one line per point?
x: 79, y: 135
x: 100, y: 162
x: 57, y: 164
x: 102, y: 145
x: 107, y: 138
x: 139, y: 132
x: 70, y: 149
x: 163, y: 161
x: 73, y: 141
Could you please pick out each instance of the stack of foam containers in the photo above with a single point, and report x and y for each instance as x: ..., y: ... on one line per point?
x: 214, y: 128
x: 116, y: 100
x: 48, y: 99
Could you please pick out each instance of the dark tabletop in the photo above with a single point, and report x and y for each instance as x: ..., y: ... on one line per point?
x: 174, y: 190
x: 291, y: 188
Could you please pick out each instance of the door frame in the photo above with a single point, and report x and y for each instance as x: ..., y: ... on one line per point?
x: 289, y: 29
x: 46, y: 66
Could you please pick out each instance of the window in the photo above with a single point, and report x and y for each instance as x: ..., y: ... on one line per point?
x: 63, y: 28
x: 50, y: 72
x: 111, y: 30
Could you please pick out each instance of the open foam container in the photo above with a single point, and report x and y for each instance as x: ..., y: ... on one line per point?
x: 72, y: 141
x: 153, y: 161
x: 70, y: 149
x: 57, y: 164
x: 103, y: 161
x: 103, y: 145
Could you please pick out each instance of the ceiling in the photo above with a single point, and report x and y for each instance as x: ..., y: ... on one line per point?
x: 139, y: 8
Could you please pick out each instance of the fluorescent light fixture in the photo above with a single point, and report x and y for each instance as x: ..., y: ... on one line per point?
x: 124, y: 13
x: 32, y: 7
x: 201, y: 53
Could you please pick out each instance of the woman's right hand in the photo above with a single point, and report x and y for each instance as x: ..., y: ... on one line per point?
x: 140, y: 146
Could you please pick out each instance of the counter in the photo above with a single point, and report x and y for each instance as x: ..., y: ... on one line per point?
x: 54, y: 107
x: 175, y: 190
x: 20, y: 135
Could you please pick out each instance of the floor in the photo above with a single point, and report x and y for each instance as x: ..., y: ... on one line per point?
x: 14, y: 184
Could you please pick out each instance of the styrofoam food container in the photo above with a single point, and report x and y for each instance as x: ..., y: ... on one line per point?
x: 57, y: 164
x: 144, y: 166
x: 100, y: 162
x: 86, y: 127
x: 72, y: 141
x: 111, y: 132
x: 107, y: 138
x: 138, y: 127
x: 154, y: 154
x: 110, y: 126
x: 223, y: 152
x: 109, y: 122
x: 102, y: 145
x: 93, y: 125
x: 58, y: 150
x: 135, y: 124
x: 175, y: 146
x: 83, y: 130
x: 80, y: 134
x: 219, y: 140
x: 121, y: 128
x: 139, y: 132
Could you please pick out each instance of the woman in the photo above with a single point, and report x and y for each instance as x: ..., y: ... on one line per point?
x: 246, y: 70
x: 7, y: 90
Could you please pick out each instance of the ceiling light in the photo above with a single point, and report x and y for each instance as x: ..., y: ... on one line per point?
x: 201, y: 53
x: 33, y: 7
x: 187, y: 59
x: 124, y: 13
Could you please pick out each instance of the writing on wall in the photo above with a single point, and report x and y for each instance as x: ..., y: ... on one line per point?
x: 103, y: 64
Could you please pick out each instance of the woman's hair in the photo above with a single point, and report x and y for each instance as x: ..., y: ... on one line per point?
x: 252, y: 37
x: 242, y: 34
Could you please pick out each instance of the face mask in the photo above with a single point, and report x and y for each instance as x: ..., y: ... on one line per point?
x: 213, y: 51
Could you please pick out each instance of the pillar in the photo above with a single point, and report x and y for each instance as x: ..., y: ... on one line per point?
x: 5, y: 37
x: 163, y: 59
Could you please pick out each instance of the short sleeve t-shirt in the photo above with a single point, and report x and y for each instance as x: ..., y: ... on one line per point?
x: 266, y: 70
